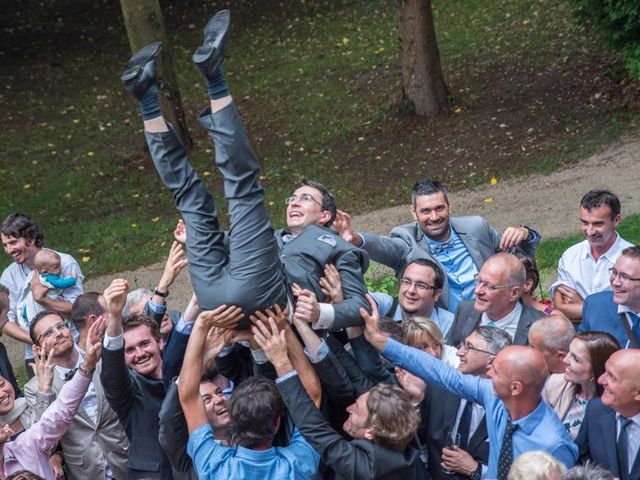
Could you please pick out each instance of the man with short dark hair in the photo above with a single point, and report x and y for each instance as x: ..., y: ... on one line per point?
x: 610, y: 432
x: 86, y: 309
x: 617, y: 311
x: 22, y: 239
x: 460, y: 245
x: 551, y: 336
x: 382, y: 422
x: 497, y: 303
x: 421, y: 283
x: 94, y: 445
x: 583, y: 268
x: 518, y: 420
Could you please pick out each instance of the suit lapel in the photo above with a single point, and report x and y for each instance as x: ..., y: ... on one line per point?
x: 522, y: 330
x: 469, y: 242
x: 479, y: 436
x: 610, y: 438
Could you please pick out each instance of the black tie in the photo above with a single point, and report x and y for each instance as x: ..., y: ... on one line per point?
x: 635, y: 325
x: 464, y: 427
x: 505, y: 459
x: 623, y: 448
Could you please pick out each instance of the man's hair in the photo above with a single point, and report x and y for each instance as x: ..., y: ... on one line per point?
x: 209, y: 372
x: 254, y: 408
x: 496, y: 338
x: 632, y: 252
x: 516, y: 274
x: 36, y: 319
x: 392, y: 417
x: 413, y: 326
x: 557, y: 332
x: 133, y: 321
x: 438, y: 282
x: 24, y: 475
x: 392, y: 327
x: 428, y: 186
x: 597, y: 198
x: 328, y: 200
x: 588, y: 471
x: 84, y: 305
x: 134, y: 297
x: 535, y: 465
x: 601, y: 346
x: 19, y: 225
x: 530, y: 268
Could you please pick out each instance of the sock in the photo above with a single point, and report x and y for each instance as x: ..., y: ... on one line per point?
x: 217, y: 85
x: 149, y: 104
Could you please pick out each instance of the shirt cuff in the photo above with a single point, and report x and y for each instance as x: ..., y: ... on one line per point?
x: 327, y: 315
x: 183, y: 326
x: 156, y: 308
x: 362, y: 239
x: 286, y: 376
x: 225, y: 351
x: 114, y: 343
x: 321, y: 352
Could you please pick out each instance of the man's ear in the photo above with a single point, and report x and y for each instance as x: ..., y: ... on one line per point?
x: 161, y: 344
x: 413, y: 212
x: 516, y: 388
x: 436, y: 294
x: 326, y: 216
x: 368, y: 434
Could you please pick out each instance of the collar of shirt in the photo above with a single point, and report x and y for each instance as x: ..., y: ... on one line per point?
x: 510, y: 318
x: 62, y: 371
x: 528, y: 424
x: 612, y: 254
x: 625, y: 309
x: 635, y: 420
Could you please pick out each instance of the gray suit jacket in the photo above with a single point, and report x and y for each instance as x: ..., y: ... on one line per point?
x: 407, y: 242
x: 467, y: 318
x: 86, y: 444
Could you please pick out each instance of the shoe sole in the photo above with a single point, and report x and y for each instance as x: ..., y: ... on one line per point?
x: 139, y: 62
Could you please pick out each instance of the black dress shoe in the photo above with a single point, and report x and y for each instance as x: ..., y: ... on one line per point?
x: 210, y: 55
x: 141, y: 72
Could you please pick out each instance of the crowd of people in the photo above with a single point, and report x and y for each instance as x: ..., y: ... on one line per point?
x: 284, y: 366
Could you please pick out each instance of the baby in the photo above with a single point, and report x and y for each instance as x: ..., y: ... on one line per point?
x: 48, y: 268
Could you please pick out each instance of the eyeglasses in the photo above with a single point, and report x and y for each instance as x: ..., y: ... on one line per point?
x: 303, y: 198
x: 468, y: 347
x: 624, y: 278
x: 49, y: 331
x: 421, y: 286
x: 489, y: 286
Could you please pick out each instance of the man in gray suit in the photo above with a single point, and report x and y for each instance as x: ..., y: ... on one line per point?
x: 460, y: 245
x: 95, y: 445
x: 497, y: 303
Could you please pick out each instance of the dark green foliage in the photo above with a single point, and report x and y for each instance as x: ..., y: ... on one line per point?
x: 619, y: 22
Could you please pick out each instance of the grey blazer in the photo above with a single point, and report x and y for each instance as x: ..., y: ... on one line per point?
x: 407, y: 242
x: 467, y: 318
x: 86, y: 444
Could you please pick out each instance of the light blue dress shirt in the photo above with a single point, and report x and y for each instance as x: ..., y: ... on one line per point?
x: 540, y: 430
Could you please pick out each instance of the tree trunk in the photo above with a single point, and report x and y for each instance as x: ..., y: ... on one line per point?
x: 145, y: 24
x: 424, y: 91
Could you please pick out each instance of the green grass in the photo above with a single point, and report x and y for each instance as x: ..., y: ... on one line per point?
x: 316, y: 83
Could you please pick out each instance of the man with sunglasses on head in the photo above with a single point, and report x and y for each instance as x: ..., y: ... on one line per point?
x: 617, y: 311
x: 497, y: 303
x: 95, y: 444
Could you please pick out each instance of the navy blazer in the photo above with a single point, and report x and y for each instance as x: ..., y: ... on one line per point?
x: 600, y: 314
x: 597, y: 440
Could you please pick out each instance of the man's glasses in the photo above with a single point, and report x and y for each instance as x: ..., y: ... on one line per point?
x: 50, y: 331
x: 466, y: 346
x: 303, y: 198
x: 624, y: 278
x: 421, y: 286
x: 489, y: 286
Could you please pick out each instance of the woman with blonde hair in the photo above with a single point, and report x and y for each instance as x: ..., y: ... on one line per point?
x: 423, y: 334
x: 536, y: 465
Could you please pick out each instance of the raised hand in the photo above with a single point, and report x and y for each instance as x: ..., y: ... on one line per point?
x: 93, y: 348
x: 180, y: 233
x: 273, y: 344
x: 372, y: 331
x: 307, y: 307
x: 279, y: 316
x: 512, y: 236
x: 44, y: 367
x: 175, y: 263
x: 115, y: 296
x: 411, y: 384
x: 217, y: 339
x: 331, y: 284
x: 344, y: 227
x: 222, y: 316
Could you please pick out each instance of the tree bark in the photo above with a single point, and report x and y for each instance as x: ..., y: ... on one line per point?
x: 424, y: 91
x: 145, y: 24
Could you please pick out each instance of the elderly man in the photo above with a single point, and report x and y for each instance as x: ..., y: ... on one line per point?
x: 460, y: 245
x: 95, y: 445
x: 517, y: 421
x: 583, y: 269
x: 617, y: 311
x: 551, y: 336
x: 610, y: 431
x: 497, y: 303
x: 445, y: 412
x: 421, y: 284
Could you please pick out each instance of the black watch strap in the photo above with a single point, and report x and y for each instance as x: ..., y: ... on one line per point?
x: 159, y: 293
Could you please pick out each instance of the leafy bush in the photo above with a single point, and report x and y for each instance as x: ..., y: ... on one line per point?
x: 619, y: 22
x: 381, y: 279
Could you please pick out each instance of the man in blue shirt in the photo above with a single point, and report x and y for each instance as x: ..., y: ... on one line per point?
x: 518, y: 420
x: 460, y: 245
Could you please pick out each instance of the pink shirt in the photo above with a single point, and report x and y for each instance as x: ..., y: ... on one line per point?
x: 31, y: 450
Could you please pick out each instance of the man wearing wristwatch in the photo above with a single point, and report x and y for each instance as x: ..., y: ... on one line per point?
x: 460, y: 245
x: 95, y: 444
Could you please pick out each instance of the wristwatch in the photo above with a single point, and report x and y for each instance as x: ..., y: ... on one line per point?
x: 86, y: 372
x: 477, y: 473
x: 159, y: 293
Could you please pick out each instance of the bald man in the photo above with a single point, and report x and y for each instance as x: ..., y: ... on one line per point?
x: 551, y: 336
x: 518, y: 420
x: 610, y: 431
x: 498, y: 288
